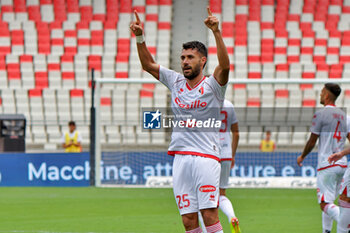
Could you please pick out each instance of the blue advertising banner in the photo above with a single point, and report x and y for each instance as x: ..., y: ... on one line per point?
x: 44, y: 169
x: 62, y: 169
x: 135, y: 167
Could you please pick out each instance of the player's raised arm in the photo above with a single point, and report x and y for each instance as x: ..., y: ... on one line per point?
x: 222, y: 70
x: 146, y: 59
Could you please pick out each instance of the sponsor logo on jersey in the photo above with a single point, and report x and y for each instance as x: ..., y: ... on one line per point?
x: 207, y: 188
x: 193, y: 104
x: 151, y: 119
x: 201, y: 90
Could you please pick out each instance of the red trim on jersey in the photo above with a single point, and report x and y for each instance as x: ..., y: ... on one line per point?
x: 190, y: 88
x: 345, y: 192
x: 226, y: 159
x: 330, y: 105
x: 334, y: 165
x: 193, y: 153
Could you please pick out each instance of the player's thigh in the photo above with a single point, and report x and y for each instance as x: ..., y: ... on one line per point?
x: 183, y: 186
x: 225, y: 174
x: 207, y: 177
x: 328, y: 184
x: 344, y: 189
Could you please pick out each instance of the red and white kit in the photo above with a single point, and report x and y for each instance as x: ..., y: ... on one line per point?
x: 345, y: 184
x: 196, y: 167
x: 330, y: 124
x: 228, y: 118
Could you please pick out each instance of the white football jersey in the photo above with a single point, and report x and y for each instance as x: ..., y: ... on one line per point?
x: 228, y: 118
x: 203, y: 102
x: 331, y: 126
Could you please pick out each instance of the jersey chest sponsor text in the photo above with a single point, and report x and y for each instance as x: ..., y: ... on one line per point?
x: 193, y: 104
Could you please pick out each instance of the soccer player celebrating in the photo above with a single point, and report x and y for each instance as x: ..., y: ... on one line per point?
x: 196, y: 168
x: 228, y: 152
x: 343, y: 225
x: 328, y: 124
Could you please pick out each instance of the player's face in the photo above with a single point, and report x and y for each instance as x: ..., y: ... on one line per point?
x: 71, y: 128
x: 191, y: 63
x: 268, y: 136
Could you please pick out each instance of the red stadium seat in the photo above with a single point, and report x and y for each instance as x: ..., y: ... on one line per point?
x: 253, y: 102
x: 105, y: 101
x: 76, y: 93
x: 309, y: 103
x: 281, y: 93
x: 146, y: 93
x: 35, y: 93
x: 121, y: 75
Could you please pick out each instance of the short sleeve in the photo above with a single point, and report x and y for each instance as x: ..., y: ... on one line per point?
x: 316, y: 123
x: 167, y: 77
x: 348, y: 123
x: 219, y: 90
x: 232, y: 118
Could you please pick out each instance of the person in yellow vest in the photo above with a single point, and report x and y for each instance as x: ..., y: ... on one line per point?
x: 267, y: 145
x: 71, y: 141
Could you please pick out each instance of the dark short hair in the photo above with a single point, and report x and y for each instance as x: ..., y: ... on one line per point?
x: 333, y: 88
x: 71, y: 123
x: 196, y: 45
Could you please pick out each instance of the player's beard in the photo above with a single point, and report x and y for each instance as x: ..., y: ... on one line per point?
x: 322, y: 100
x: 195, y: 72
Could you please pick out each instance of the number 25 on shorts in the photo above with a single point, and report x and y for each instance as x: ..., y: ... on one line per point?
x: 182, y: 201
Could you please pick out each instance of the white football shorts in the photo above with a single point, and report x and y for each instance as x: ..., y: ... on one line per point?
x: 225, y: 173
x: 345, y: 184
x: 328, y: 183
x: 195, y: 183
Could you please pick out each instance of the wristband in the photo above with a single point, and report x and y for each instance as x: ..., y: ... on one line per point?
x: 140, y: 39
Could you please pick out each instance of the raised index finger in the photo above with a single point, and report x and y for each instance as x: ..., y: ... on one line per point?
x: 209, y: 11
x: 137, y: 17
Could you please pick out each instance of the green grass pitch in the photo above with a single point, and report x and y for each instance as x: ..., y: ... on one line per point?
x: 47, y: 210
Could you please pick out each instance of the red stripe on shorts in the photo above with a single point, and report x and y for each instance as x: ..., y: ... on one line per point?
x: 193, y: 153
x: 334, y: 165
x: 227, y: 159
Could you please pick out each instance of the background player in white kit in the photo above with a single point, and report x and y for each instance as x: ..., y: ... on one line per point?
x: 343, y: 225
x: 227, y: 160
x: 329, y: 125
x: 228, y: 152
x: 196, y: 168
